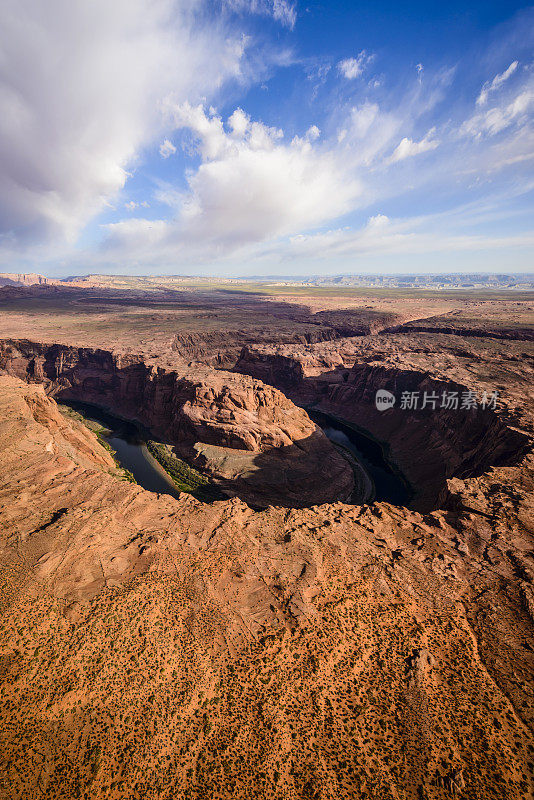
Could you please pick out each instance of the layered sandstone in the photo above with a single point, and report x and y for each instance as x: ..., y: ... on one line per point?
x: 175, y: 323
x: 153, y: 647
x: 161, y: 648
x: 428, y: 444
x: 254, y: 440
x: 23, y: 279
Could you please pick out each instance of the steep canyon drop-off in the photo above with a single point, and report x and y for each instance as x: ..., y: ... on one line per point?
x: 159, y: 647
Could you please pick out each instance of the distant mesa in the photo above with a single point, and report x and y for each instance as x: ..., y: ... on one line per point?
x: 24, y: 279
x: 444, y: 281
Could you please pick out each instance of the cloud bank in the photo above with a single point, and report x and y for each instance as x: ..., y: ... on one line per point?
x: 92, y: 95
x: 81, y: 93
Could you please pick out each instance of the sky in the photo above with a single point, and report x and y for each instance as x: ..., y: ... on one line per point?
x: 265, y: 137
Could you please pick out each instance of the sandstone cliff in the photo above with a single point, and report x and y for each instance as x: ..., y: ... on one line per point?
x: 161, y: 648
x: 255, y: 441
x: 23, y: 279
x: 428, y: 445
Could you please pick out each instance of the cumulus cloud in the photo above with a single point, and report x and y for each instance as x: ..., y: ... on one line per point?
x: 255, y: 187
x: 352, y: 68
x: 259, y: 196
x: 166, y: 148
x: 497, y: 81
x: 138, y: 73
x: 252, y: 184
x: 407, y: 147
x: 83, y: 88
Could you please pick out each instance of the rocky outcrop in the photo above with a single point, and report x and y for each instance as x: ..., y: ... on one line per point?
x: 286, y: 459
x: 273, y: 368
x: 519, y: 333
x: 428, y: 445
x: 23, y: 279
x: 222, y: 348
x: 358, y: 322
x: 160, y: 648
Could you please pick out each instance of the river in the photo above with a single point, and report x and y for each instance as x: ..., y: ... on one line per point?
x: 389, y: 485
x: 129, y: 449
x: 132, y: 454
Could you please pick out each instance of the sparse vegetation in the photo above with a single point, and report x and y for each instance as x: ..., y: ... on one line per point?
x: 101, y: 433
x: 186, y: 478
x: 216, y: 652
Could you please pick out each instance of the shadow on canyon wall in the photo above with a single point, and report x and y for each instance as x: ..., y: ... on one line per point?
x: 427, y: 446
x: 306, y: 473
x: 214, y: 421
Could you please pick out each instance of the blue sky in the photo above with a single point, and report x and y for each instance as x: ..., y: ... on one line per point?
x: 263, y: 136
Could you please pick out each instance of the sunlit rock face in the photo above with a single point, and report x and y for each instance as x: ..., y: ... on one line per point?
x: 274, y: 649
x: 429, y: 442
x: 247, y: 434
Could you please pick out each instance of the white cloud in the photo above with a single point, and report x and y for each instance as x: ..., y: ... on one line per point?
x: 407, y: 147
x: 166, y: 148
x: 513, y: 111
x: 131, y: 205
x: 252, y: 184
x: 377, y: 222
x: 138, y: 232
x: 83, y: 89
x: 260, y: 198
x: 73, y: 131
x: 362, y: 118
x: 281, y: 11
x: 254, y: 191
x: 497, y: 81
x: 257, y: 198
x: 352, y: 68
x: 285, y: 13
x: 382, y: 236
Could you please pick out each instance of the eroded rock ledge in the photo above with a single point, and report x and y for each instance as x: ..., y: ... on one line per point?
x: 251, y: 438
x: 158, y: 648
x: 429, y: 446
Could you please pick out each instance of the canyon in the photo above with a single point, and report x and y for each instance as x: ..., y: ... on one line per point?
x: 244, y: 433
x: 289, y: 641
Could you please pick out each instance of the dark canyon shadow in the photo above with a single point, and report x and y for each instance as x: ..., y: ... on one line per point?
x: 424, y: 448
x: 430, y: 445
x: 306, y: 473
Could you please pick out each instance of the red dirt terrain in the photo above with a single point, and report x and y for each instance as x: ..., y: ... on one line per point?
x: 287, y: 642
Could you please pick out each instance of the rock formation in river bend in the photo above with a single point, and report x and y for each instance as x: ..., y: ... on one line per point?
x: 246, y: 434
x: 154, y: 648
